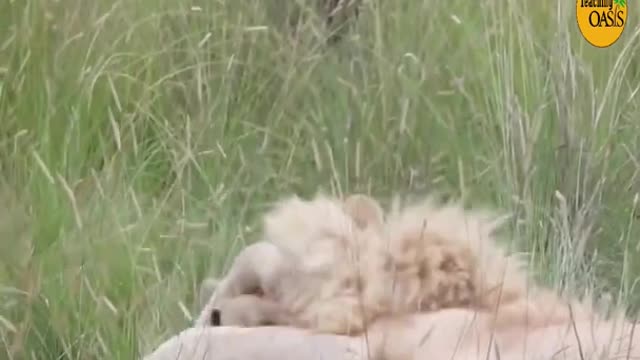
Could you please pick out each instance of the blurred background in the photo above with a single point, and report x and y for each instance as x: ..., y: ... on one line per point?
x: 141, y: 140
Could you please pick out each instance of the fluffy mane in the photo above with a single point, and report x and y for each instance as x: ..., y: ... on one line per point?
x: 420, y: 256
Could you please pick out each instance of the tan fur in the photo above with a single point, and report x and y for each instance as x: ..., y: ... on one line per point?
x: 471, y: 335
x: 365, y: 211
x: 424, y: 281
x: 452, y: 334
x: 360, y: 269
x: 337, y: 265
x: 302, y: 241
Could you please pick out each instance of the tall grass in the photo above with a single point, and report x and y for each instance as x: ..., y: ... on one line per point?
x: 140, y: 140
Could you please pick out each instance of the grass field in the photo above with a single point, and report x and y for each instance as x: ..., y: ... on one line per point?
x: 140, y: 140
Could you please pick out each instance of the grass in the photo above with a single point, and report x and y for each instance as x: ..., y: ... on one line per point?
x: 140, y: 140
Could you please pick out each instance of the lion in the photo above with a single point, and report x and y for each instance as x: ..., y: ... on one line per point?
x: 425, y: 281
x: 335, y: 265
x: 455, y: 334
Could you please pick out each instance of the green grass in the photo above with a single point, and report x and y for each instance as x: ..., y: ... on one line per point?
x: 140, y: 140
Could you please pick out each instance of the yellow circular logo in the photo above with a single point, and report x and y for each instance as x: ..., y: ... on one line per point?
x: 601, y: 22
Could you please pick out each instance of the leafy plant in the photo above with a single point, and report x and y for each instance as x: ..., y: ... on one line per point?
x: 621, y: 3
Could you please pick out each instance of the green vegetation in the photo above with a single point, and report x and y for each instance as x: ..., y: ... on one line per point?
x: 140, y: 140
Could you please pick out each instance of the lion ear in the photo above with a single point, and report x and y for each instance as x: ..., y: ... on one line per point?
x: 364, y: 210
